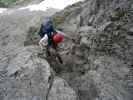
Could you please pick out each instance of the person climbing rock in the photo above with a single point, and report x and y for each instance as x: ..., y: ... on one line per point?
x: 46, y: 32
x: 49, y: 38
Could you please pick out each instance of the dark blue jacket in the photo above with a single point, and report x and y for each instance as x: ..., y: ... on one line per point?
x: 46, y: 28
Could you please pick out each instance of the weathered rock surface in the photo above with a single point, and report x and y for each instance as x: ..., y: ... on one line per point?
x: 99, y: 63
x: 24, y: 75
x: 96, y: 66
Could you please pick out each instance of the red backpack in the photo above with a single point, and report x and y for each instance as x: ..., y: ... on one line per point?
x: 57, y: 38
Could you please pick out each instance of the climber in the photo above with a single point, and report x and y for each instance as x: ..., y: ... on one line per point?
x: 49, y: 38
x: 46, y: 32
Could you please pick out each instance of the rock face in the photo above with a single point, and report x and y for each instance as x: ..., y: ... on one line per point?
x: 24, y: 75
x: 97, y: 64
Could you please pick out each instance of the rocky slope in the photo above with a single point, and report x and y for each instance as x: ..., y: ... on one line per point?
x: 97, y: 65
x: 24, y: 75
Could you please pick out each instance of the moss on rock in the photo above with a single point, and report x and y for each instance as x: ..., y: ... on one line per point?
x: 58, y: 19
